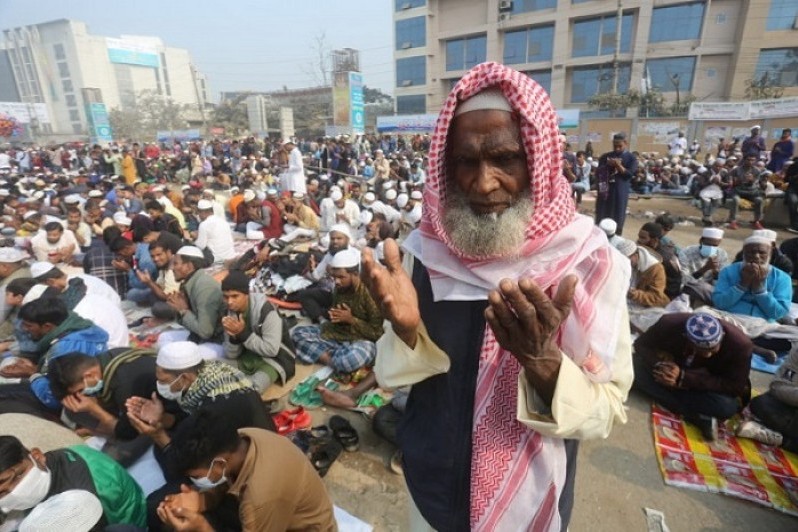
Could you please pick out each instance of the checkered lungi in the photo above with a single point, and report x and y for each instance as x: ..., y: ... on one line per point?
x: 346, y: 356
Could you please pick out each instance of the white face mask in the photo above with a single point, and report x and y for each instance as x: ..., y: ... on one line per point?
x: 205, y: 483
x: 165, y: 390
x: 29, y: 492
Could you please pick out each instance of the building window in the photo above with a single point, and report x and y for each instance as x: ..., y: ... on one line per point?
x: 668, y: 74
x: 587, y: 82
x: 528, y: 46
x: 782, y: 15
x: 462, y: 54
x: 63, y: 70
x: 524, y: 6
x: 411, y: 105
x: 778, y: 67
x: 401, y: 5
x: 71, y: 101
x: 74, y: 115
x: 411, y: 71
x: 60, y: 54
x: 543, y: 77
x: 580, y: 1
x: 66, y: 84
x: 677, y: 23
x: 596, y: 36
x: 411, y: 33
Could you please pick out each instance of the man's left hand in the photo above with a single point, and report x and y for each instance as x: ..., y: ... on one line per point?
x: 341, y: 314
x: 178, y: 301
x: 121, y: 265
x: 233, y: 325
x: 77, y: 402
x: 667, y: 374
x: 525, y: 320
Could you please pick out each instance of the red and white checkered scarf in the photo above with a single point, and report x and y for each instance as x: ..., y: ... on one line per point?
x: 517, y: 475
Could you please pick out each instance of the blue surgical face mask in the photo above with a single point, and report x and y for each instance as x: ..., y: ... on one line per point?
x: 708, y: 251
x: 93, y: 390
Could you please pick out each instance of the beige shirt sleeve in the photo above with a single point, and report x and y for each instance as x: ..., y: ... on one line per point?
x: 580, y: 409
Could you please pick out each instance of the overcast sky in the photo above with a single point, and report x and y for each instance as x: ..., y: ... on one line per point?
x: 238, y: 44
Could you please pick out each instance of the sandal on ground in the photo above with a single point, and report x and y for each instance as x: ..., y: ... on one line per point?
x: 291, y: 420
x: 324, y: 456
x: 345, y: 433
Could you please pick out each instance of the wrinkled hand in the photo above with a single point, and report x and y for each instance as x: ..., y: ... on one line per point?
x: 177, y: 301
x: 747, y: 274
x: 525, y: 321
x: 148, y: 410
x: 341, y: 314
x: 233, y: 325
x: 393, y: 291
x: 666, y: 373
x: 21, y: 368
x: 77, y: 402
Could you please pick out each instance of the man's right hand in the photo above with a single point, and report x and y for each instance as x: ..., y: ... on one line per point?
x: 392, y: 289
x: 748, y: 275
x: 712, y: 265
x: 21, y: 368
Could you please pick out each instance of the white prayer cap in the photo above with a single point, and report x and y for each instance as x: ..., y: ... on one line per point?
x: 234, y: 189
x: 366, y: 216
x: 120, y: 218
x: 491, y: 98
x: 712, y: 232
x: 185, y: 187
x: 95, y: 194
x: 208, y: 191
x: 757, y: 126
x: 609, y: 226
x: 390, y: 194
x: 341, y: 228
x: 416, y: 195
x: 401, y: 200
x: 4, y: 192
x: 205, y: 205
x: 30, y: 214
x: 271, y: 192
x: 346, y: 258
x: 388, y: 185
x: 72, y: 198
x: 158, y: 188
x: 68, y: 511
x: 34, y: 293
x: 249, y: 195
x: 757, y: 239
x: 299, y: 195
x: 178, y: 355
x: 770, y: 234
x: 336, y: 195
x: 626, y: 246
x: 191, y: 251
x: 37, y: 269
x: 369, y: 197
x: 11, y: 255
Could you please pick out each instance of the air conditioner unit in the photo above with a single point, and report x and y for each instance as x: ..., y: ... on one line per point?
x: 795, y: 24
x: 505, y: 5
x: 407, y: 82
x: 504, y: 16
x: 405, y: 45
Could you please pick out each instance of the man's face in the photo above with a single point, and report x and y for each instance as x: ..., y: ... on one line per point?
x: 342, y: 278
x: 54, y: 236
x: 704, y: 241
x: 236, y: 301
x: 154, y: 213
x: 486, y: 160
x: 127, y: 252
x: 35, y: 330
x: 161, y: 257
x: 618, y: 146
x: 757, y: 254
x: 580, y: 159
x: 338, y: 241
x: 90, y: 377
x: 181, y: 268
x: 750, y: 161
x: 13, y: 300
x: 73, y: 218
x: 14, y: 474
x: 644, y: 239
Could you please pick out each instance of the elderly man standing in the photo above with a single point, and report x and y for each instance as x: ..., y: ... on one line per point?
x: 513, y: 325
x: 293, y: 177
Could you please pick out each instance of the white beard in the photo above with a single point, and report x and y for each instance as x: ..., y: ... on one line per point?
x: 482, y: 235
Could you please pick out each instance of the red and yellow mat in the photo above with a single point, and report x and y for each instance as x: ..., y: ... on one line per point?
x: 733, y: 466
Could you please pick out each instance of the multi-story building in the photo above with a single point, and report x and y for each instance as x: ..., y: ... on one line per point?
x: 576, y: 48
x: 75, y: 73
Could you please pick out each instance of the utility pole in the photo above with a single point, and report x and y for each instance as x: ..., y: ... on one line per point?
x: 616, y: 67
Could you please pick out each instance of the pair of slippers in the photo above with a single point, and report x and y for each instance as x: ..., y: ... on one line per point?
x: 306, y: 394
x: 291, y: 420
x: 323, y: 444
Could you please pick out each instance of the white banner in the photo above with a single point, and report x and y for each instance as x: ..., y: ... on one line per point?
x: 718, y: 111
x: 22, y: 111
x: 779, y: 108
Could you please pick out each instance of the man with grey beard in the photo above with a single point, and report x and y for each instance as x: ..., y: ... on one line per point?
x: 512, y: 327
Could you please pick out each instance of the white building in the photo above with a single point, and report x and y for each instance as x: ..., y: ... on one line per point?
x: 61, y: 64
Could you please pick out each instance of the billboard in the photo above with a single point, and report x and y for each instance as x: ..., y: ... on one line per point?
x: 357, y: 115
x: 406, y: 123
x: 348, y: 103
x: 22, y: 111
x: 129, y: 52
x: 99, y: 126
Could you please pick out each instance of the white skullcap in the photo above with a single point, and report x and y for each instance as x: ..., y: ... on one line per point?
x: 720, y: 160
x: 401, y: 200
x: 178, y: 355
x: 346, y: 258
x: 185, y: 187
x: 369, y: 197
x: 366, y: 216
x: 491, y: 98
x: 158, y: 188
x: 336, y: 195
x: 298, y: 195
x: 388, y: 185
x: 11, y: 255
x: 4, y: 192
x: 68, y: 511
x: 34, y: 293
x: 234, y: 189
x: 414, y: 216
x: 249, y: 195
x: 390, y: 194
x: 754, y: 239
x: 770, y: 234
x: 609, y: 226
x: 95, y: 194
x: 191, y: 251
x: 30, y: 214
x: 341, y: 228
x: 208, y: 191
x: 205, y: 205
x: 626, y: 247
x: 271, y: 192
x: 416, y: 195
x: 121, y: 218
x: 757, y: 126
x: 72, y: 198
x: 712, y: 232
x: 37, y: 269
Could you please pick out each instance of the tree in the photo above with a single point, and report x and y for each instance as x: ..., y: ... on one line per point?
x: 375, y: 96
x: 151, y: 112
x: 319, y: 67
x: 231, y: 115
x: 763, y: 88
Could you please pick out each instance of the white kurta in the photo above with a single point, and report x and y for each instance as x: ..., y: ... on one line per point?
x: 293, y: 178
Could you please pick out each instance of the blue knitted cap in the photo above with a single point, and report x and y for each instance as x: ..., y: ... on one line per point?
x: 703, y: 330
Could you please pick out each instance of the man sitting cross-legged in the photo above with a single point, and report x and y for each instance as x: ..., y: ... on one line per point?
x: 346, y: 343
